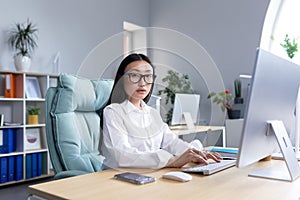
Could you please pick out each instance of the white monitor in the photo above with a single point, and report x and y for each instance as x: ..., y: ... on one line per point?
x: 269, y: 119
x: 185, y: 104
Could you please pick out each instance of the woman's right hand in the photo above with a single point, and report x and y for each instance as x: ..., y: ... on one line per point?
x: 190, y: 155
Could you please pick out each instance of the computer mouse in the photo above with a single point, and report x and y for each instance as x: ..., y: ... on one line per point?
x: 178, y: 176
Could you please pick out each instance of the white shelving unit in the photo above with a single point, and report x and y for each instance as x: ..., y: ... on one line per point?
x: 15, y: 111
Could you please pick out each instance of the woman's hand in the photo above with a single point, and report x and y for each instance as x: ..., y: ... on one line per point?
x: 193, y: 155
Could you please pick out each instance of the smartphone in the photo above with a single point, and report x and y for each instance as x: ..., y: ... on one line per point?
x: 134, y: 178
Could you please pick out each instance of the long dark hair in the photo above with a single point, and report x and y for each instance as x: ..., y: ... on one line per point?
x: 118, y: 94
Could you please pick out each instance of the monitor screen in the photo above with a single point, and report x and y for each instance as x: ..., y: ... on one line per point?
x: 188, y: 103
x: 273, y: 95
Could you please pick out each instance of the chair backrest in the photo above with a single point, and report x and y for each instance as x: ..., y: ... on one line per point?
x: 73, y: 122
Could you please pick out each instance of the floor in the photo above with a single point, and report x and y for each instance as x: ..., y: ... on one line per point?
x: 18, y: 191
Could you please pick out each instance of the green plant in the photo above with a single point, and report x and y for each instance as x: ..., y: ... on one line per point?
x: 222, y: 98
x: 177, y: 83
x: 34, y: 111
x: 238, y: 87
x: 290, y: 47
x: 23, y: 38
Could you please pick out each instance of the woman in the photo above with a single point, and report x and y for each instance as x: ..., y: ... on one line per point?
x: 134, y: 134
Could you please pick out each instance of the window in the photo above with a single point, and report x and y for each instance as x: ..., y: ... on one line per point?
x: 282, y: 18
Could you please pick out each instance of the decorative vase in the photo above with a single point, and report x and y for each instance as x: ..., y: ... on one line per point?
x: 238, y: 100
x: 234, y: 114
x: 22, y: 63
x: 33, y: 119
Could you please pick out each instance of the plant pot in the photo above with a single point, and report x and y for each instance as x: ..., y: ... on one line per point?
x: 234, y: 114
x: 22, y: 63
x: 238, y: 100
x: 33, y: 119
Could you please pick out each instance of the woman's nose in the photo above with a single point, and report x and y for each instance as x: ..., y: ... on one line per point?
x: 142, y: 82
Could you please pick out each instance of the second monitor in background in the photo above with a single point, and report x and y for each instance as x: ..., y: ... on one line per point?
x: 186, y: 109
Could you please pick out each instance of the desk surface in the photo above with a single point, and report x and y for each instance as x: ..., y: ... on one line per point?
x: 232, y: 183
x: 183, y: 130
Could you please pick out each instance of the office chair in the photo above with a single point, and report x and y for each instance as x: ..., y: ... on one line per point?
x: 73, y: 124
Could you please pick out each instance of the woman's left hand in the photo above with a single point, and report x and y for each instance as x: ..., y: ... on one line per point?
x: 210, y: 155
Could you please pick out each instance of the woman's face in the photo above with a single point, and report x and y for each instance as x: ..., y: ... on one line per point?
x: 138, y: 80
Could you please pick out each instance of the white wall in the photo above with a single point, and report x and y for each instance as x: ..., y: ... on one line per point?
x: 72, y: 27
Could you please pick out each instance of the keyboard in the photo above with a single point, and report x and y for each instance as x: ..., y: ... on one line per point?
x: 210, y: 168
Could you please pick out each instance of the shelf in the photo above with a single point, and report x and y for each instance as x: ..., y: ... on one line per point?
x: 11, y: 99
x: 36, y: 151
x: 11, y: 154
x: 34, y: 125
x: 51, y: 174
x: 15, y: 110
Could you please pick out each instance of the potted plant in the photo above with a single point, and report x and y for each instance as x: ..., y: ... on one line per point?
x: 23, y: 40
x: 33, y: 115
x: 224, y: 98
x: 176, y: 84
x: 290, y: 47
x: 238, y: 91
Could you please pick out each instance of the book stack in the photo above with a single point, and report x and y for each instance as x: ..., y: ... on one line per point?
x: 11, y: 168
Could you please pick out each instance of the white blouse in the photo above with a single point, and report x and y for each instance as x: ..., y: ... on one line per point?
x: 139, y: 138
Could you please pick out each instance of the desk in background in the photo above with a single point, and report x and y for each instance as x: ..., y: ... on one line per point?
x: 183, y: 130
x: 232, y: 183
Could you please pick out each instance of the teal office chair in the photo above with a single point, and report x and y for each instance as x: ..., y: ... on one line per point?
x: 73, y: 124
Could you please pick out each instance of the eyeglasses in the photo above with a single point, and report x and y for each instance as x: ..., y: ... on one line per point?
x: 135, y: 78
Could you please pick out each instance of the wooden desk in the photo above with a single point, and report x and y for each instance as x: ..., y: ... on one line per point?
x: 232, y: 183
x: 183, y: 130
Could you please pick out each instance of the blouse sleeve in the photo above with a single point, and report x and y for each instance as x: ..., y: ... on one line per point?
x: 175, y: 145
x: 118, y: 150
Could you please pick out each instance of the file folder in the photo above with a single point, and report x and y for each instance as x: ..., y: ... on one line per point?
x: 7, y: 141
x: 3, y: 169
x: 39, y: 163
x: 28, y: 166
x: 11, y: 168
x: 9, y: 86
x: 11, y: 140
x: 19, y: 167
x: 3, y: 141
x: 33, y: 165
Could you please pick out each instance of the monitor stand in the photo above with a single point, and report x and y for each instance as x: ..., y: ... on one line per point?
x: 286, y: 148
x: 279, y: 155
x: 189, y: 120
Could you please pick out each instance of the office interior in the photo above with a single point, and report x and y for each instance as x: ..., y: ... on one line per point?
x: 88, y: 37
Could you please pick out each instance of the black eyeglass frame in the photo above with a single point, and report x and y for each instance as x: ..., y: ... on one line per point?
x: 140, y: 77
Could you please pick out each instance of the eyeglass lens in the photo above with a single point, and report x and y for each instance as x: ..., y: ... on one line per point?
x: 135, y: 78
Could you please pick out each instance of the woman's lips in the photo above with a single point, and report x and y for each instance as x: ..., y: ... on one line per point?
x: 141, y: 90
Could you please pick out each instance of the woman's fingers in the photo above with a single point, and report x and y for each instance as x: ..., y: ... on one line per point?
x: 215, y: 156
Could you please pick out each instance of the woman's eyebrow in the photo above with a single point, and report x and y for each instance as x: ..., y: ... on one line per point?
x: 137, y: 70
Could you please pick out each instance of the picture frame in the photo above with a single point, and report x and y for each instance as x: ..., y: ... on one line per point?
x: 32, y: 89
x: 32, y: 139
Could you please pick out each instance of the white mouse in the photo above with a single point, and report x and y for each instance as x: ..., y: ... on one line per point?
x: 178, y: 176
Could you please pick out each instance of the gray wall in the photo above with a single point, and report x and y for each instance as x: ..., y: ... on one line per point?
x: 229, y: 31
x: 72, y: 27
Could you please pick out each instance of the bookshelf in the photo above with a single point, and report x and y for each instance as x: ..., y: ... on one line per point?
x: 24, y: 154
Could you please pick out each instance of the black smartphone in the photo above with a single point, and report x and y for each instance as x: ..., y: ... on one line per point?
x: 134, y: 178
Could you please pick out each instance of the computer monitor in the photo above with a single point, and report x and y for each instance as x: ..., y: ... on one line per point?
x: 270, y: 115
x: 185, y: 110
